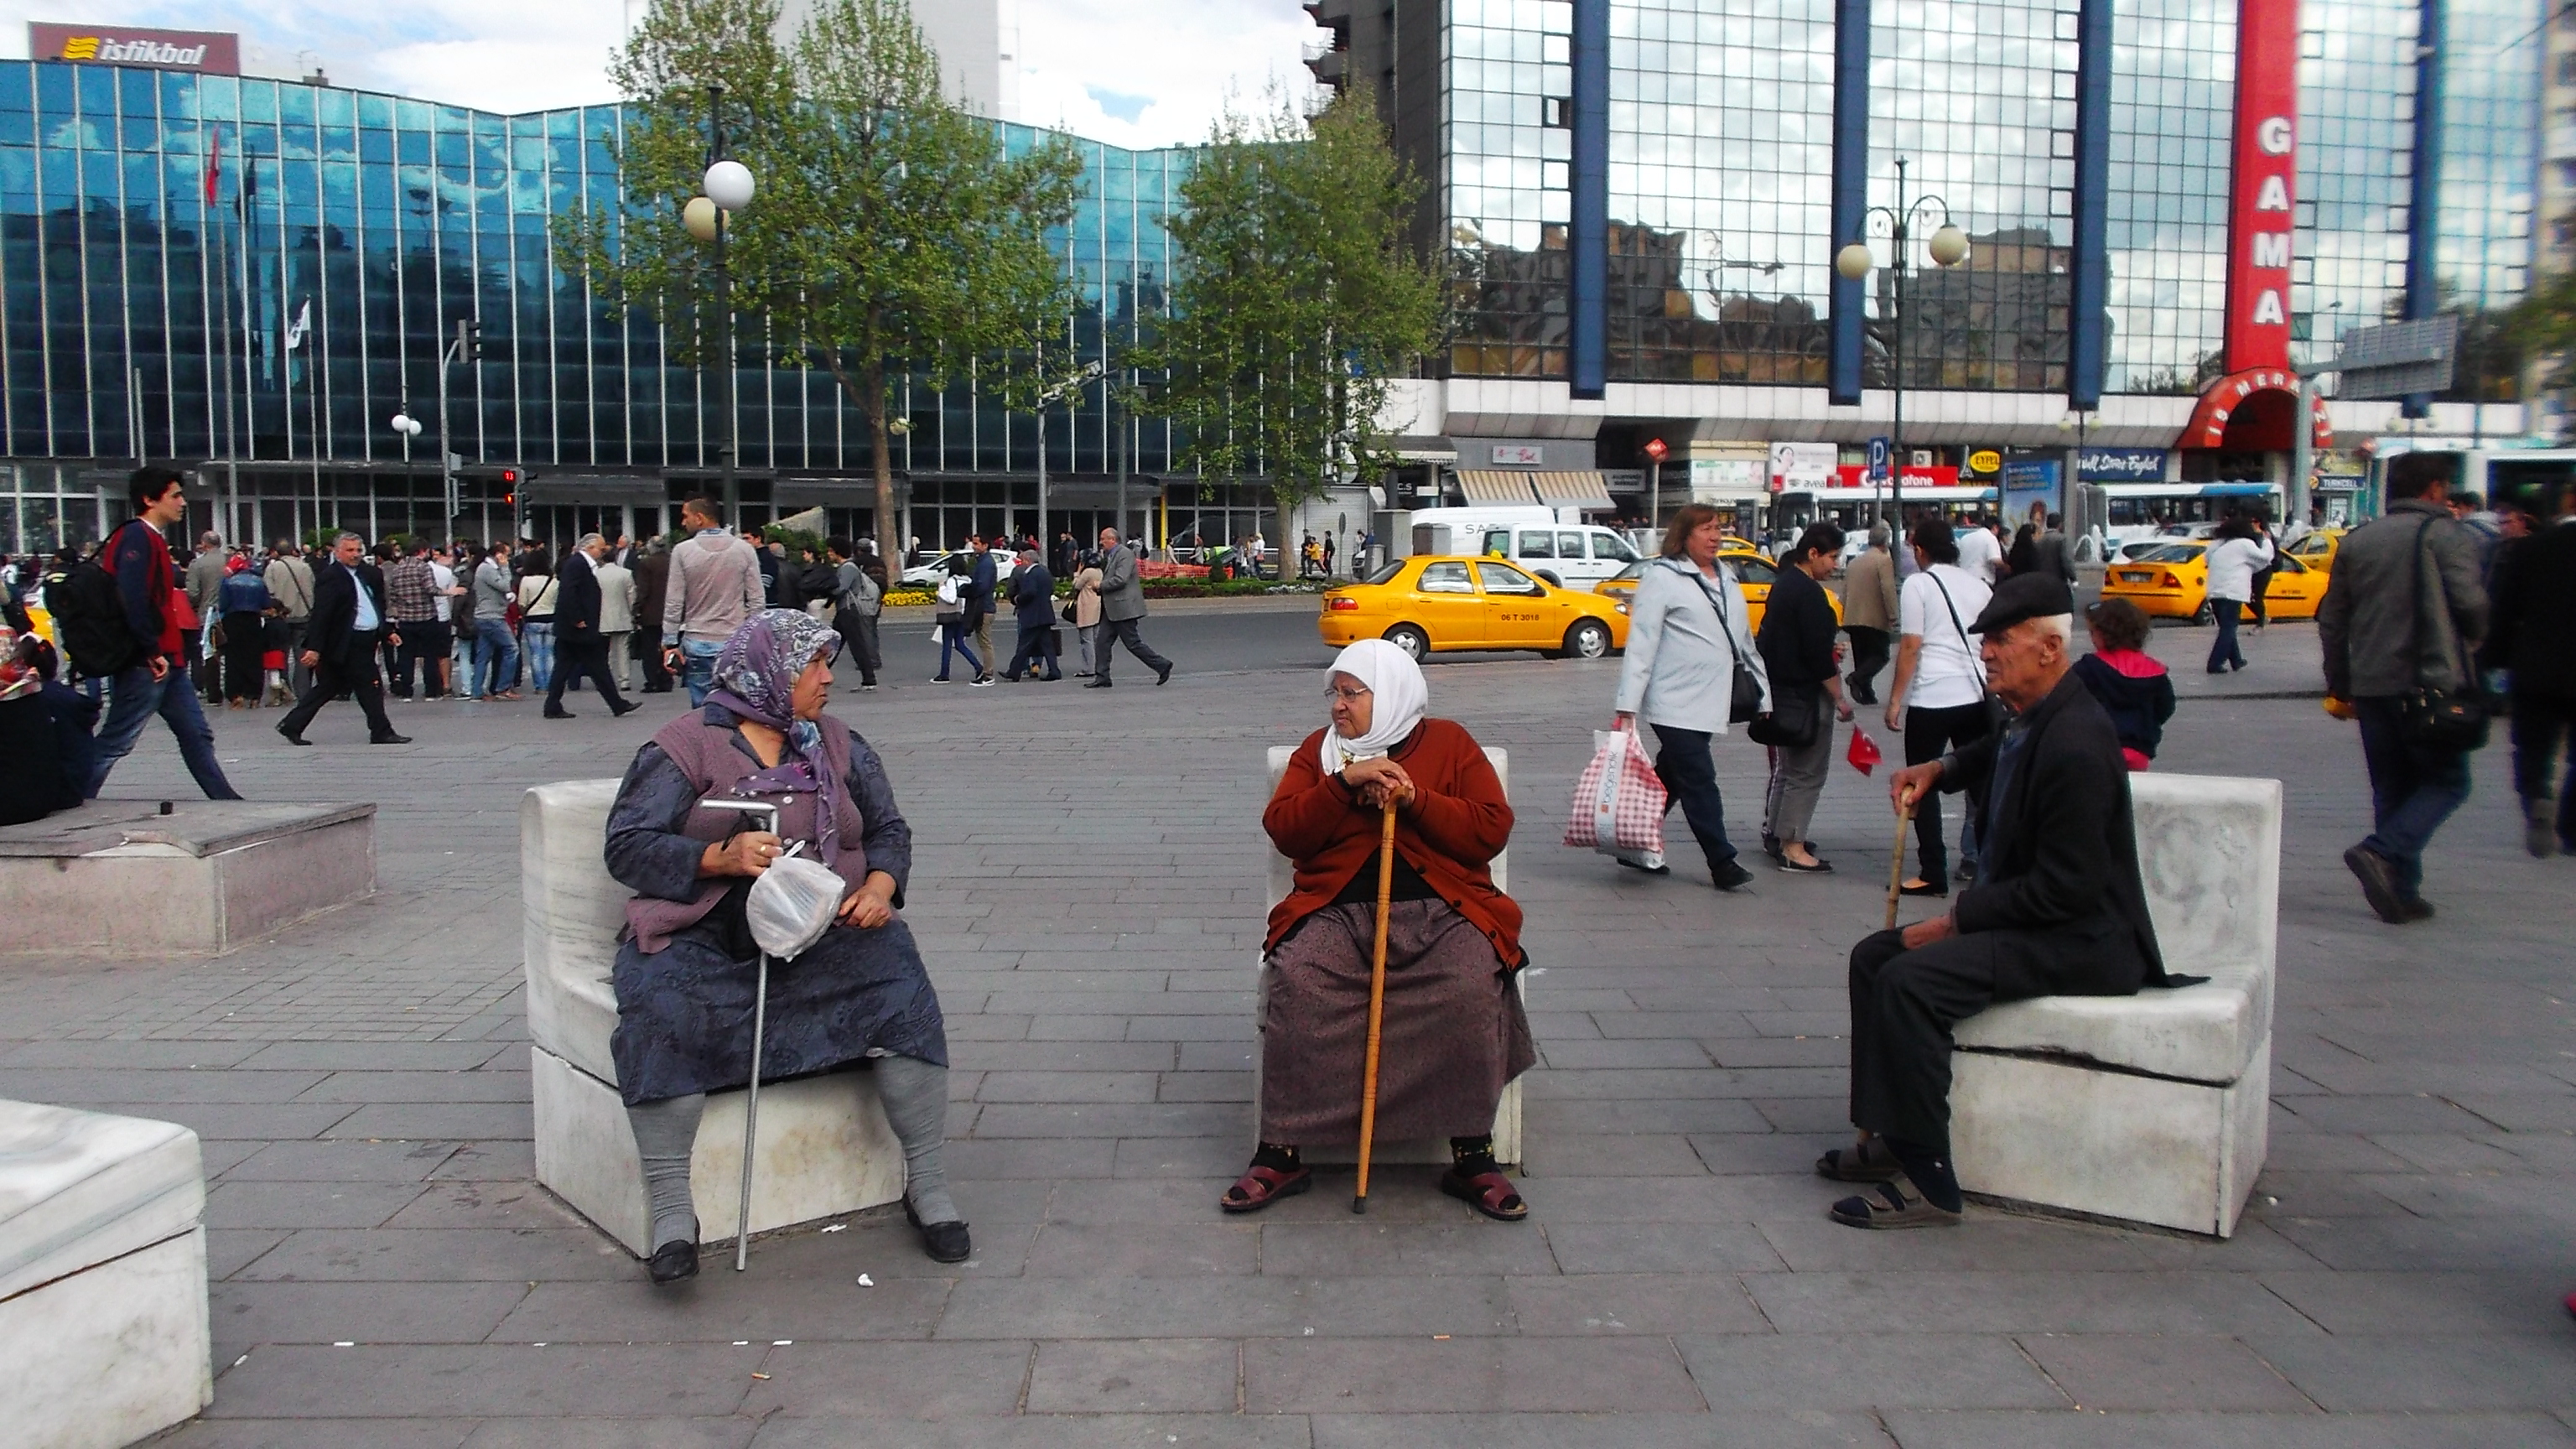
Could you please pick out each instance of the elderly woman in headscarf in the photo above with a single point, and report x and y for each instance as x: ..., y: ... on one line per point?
x: 1453, y: 1033
x: 685, y: 971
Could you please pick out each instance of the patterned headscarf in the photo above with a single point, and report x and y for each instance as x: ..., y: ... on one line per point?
x: 756, y: 680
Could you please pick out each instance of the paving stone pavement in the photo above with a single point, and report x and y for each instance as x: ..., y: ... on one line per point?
x: 1089, y: 892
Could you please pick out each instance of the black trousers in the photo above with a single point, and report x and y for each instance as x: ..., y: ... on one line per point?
x: 2542, y: 724
x: 648, y: 646
x: 354, y: 673
x: 1929, y: 734
x: 1683, y: 763
x: 1037, y: 646
x: 1869, y: 655
x: 1904, y: 1003
x: 575, y: 656
x: 427, y: 641
x: 1115, y: 631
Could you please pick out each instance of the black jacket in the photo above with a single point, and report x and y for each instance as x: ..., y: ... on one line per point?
x: 1797, y: 638
x: 333, y: 630
x: 2138, y: 705
x: 2063, y: 855
x: 577, y: 597
x: 2533, y: 629
x: 1033, y: 596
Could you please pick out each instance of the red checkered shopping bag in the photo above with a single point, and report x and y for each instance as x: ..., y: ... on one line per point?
x: 1618, y: 801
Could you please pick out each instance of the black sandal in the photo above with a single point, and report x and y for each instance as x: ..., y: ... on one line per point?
x: 1869, y: 1161
x: 1891, y: 1207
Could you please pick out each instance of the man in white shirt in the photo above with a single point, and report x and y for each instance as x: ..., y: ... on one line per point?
x: 1939, y: 699
x: 1981, y: 554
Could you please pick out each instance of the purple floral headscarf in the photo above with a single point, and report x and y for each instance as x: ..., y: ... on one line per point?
x: 756, y: 680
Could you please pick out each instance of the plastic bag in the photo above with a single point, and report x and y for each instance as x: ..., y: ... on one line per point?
x: 1619, y: 802
x: 792, y: 904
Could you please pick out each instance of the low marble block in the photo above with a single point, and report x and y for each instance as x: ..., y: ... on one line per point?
x: 103, y: 1315
x: 2151, y: 1108
x: 825, y: 1147
x: 220, y: 873
x: 1507, y: 1110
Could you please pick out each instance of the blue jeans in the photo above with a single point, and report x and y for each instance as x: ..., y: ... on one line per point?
x: 954, y: 637
x: 2223, y: 653
x: 537, y: 636
x: 2412, y: 791
x: 492, y: 642
x: 134, y: 697
x: 1683, y: 761
x: 698, y: 668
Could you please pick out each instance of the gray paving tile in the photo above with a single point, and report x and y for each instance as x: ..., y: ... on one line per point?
x: 81, y: 1086
x: 1987, y: 1240
x: 890, y: 1380
x: 229, y: 1250
x: 726, y: 1433
x: 138, y: 1055
x: 428, y: 1255
x: 1610, y: 1303
x: 485, y: 1121
x: 1618, y: 1155
x: 2133, y: 1371
x: 2472, y: 1244
x: 1687, y: 1247
x: 1050, y: 1431
x: 485, y: 1381
x: 1420, y: 1375
x: 1259, y: 1307
x: 390, y: 1086
x: 2183, y: 1430
x: 337, y: 1161
x: 317, y: 1434
x: 2380, y: 1303
x: 306, y: 1204
x: 1867, y: 1371
x: 1343, y: 1249
x: 720, y: 1306
x: 1161, y: 1250
x: 489, y: 1162
x: 246, y: 1315
x: 470, y: 1204
x: 2009, y: 1301
x: 2422, y: 1372
x: 382, y: 1056
x: 1726, y: 1428
x: 1157, y: 1376
x: 1072, y: 1157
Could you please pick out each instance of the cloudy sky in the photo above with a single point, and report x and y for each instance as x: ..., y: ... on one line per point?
x: 1135, y: 72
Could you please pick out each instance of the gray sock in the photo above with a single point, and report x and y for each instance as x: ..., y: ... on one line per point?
x: 664, y: 1133
x: 915, y: 1094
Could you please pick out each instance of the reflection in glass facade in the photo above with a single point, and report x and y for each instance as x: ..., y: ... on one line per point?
x: 145, y: 310
x: 1721, y: 168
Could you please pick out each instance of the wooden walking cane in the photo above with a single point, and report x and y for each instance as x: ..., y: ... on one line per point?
x: 1377, y: 1002
x: 1896, y: 862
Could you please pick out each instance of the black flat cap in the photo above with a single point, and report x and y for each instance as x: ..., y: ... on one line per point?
x: 2023, y: 596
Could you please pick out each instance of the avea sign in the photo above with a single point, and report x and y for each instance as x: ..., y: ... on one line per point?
x: 2265, y: 184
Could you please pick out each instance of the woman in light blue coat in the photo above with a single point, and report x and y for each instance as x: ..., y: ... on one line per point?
x: 1686, y: 630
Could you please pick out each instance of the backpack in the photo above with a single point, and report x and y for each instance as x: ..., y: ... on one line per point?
x: 863, y: 594
x: 89, y: 620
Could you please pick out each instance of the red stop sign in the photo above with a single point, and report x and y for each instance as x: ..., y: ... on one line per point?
x: 1656, y: 450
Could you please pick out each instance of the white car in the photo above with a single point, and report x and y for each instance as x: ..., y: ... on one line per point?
x: 927, y: 575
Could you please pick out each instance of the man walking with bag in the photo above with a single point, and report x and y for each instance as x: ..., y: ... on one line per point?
x: 1122, y: 608
x: 2403, y: 612
x: 152, y: 676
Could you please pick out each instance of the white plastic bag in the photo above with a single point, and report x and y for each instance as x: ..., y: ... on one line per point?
x: 792, y: 904
x: 1619, y: 802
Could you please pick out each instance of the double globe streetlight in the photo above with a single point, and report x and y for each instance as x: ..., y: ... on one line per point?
x: 1949, y: 247
x: 726, y: 188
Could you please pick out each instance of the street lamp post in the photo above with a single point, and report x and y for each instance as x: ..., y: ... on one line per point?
x: 1949, y: 247
x: 407, y: 427
x: 726, y: 189
x: 1049, y: 394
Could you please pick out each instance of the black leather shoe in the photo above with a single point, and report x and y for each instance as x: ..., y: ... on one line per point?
x: 674, y: 1261
x: 1097, y: 684
x: 1163, y: 675
x: 292, y: 737
x: 387, y: 739
x: 944, y: 1242
x: 623, y: 710
x: 1730, y: 876
x: 561, y: 714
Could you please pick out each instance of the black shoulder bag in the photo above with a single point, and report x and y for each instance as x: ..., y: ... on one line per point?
x: 1745, y: 700
x: 2450, y: 720
x: 1797, y: 711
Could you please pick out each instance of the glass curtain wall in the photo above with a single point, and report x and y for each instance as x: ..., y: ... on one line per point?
x: 2173, y: 97
x: 1506, y: 146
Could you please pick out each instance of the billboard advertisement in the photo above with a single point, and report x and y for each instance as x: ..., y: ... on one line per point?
x: 212, y: 52
x: 2264, y: 185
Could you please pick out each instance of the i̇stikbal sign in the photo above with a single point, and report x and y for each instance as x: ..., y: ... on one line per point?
x: 212, y: 52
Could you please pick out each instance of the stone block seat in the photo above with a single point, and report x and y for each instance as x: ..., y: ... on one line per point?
x: 824, y: 1148
x: 103, y: 1322
x: 2151, y: 1108
x: 1507, y: 1112
x: 219, y: 873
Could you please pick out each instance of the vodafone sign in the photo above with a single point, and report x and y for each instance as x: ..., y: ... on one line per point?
x: 2266, y: 179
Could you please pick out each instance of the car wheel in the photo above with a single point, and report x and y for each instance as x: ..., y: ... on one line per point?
x: 2207, y: 615
x: 1588, y: 639
x: 1411, y: 640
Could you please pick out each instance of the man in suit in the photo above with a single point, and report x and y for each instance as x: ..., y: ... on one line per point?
x: 340, y: 646
x: 1033, y: 606
x: 581, y: 646
x: 1122, y: 606
x: 2060, y: 909
x: 2532, y: 634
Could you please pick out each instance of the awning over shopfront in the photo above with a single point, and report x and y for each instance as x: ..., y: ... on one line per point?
x: 1573, y: 490
x: 1513, y: 486
x: 1495, y: 486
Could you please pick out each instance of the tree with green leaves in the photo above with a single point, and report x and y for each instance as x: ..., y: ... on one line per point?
x: 892, y: 234
x: 1295, y: 301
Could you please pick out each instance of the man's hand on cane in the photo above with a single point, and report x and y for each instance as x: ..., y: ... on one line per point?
x: 1908, y: 786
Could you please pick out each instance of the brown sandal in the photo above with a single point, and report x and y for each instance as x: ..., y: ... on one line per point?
x: 1488, y: 1192
x: 1260, y: 1186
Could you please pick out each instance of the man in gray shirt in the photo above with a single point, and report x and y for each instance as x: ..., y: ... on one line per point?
x: 290, y: 583
x: 1122, y: 607
x: 496, y: 649
x: 714, y: 586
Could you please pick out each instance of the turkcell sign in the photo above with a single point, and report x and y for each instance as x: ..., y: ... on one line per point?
x: 212, y: 52
x: 2120, y: 465
x: 2264, y: 186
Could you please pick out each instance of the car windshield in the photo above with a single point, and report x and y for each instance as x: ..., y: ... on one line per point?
x: 1384, y: 572
x: 1628, y: 574
x: 2171, y: 553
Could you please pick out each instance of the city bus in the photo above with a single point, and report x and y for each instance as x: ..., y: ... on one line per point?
x: 2138, y: 511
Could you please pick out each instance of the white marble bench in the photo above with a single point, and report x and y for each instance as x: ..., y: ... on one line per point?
x: 1507, y: 1112
x: 2151, y: 1108
x: 824, y: 1145
x: 103, y: 1326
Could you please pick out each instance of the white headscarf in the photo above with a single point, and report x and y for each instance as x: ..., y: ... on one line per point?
x: 1398, y: 698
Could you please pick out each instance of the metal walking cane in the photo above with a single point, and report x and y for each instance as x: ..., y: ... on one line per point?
x: 1377, y: 1003
x: 759, y: 1030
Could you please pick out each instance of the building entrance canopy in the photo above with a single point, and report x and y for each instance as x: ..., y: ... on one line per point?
x: 2251, y: 412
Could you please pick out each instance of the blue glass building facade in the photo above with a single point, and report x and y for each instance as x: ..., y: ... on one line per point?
x: 252, y: 277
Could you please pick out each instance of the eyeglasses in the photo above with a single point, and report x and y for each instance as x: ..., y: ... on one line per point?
x: 1335, y: 693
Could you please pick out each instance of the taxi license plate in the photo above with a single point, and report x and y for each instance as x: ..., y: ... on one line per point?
x: 2128, y: 577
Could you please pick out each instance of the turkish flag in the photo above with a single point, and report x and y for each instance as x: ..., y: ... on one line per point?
x: 1863, y: 754
x: 214, y: 160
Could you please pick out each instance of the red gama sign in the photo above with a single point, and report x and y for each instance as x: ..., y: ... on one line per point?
x: 214, y: 52
x: 2266, y: 181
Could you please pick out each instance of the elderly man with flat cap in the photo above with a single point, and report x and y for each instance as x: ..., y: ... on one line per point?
x: 2059, y: 910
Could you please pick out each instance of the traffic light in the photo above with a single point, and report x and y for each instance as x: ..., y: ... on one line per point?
x: 474, y: 340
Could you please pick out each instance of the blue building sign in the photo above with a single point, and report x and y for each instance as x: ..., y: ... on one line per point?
x: 2120, y: 465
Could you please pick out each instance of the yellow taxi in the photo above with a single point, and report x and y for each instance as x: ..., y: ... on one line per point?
x: 2172, y: 582
x: 1441, y: 603
x: 1754, y: 575
x: 2317, y: 550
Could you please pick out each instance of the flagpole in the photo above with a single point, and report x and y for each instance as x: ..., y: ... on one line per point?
x: 313, y: 400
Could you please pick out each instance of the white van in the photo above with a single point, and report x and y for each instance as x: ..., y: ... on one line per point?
x: 1569, y: 555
